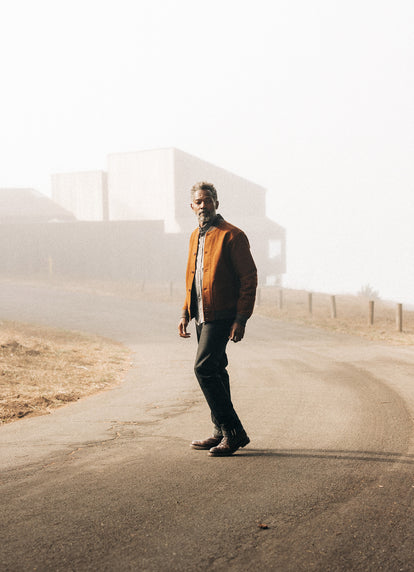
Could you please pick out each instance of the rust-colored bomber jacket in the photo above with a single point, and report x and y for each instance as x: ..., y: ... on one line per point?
x: 229, y: 275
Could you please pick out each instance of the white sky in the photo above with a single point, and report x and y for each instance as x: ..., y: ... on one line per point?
x: 313, y: 99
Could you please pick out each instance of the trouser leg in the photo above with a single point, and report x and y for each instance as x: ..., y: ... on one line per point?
x: 210, y: 369
x: 225, y: 380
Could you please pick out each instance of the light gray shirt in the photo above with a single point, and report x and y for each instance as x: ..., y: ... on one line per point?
x: 198, y: 278
x: 199, y: 270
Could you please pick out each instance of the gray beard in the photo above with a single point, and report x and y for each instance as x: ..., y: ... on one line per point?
x: 205, y: 218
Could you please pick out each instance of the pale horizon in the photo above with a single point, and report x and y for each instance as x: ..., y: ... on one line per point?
x: 313, y: 101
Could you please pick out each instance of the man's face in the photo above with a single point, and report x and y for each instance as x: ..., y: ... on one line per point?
x: 204, y: 207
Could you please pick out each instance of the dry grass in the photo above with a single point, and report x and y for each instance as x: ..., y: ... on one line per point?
x: 43, y: 368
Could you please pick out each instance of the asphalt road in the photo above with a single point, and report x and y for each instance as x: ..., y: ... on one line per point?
x: 110, y: 483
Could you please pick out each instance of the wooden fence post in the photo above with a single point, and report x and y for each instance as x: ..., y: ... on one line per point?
x: 310, y: 302
x: 333, y: 307
x: 258, y: 296
x: 371, y: 312
x: 399, y: 317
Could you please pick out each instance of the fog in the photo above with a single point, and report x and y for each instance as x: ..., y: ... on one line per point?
x: 311, y: 100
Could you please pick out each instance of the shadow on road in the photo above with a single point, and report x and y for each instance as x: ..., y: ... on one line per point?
x: 379, y: 457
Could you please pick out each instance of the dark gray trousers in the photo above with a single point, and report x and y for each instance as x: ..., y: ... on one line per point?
x: 210, y: 369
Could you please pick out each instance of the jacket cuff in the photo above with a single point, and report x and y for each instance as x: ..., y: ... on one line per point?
x: 241, y: 319
x: 185, y: 315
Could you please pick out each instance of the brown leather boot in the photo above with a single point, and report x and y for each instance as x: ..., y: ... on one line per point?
x: 229, y: 444
x: 207, y: 443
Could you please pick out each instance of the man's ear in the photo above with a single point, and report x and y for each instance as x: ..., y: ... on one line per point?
x: 217, y: 204
x: 191, y: 205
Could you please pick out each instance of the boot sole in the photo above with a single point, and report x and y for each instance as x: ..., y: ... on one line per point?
x: 203, y: 447
x: 198, y: 448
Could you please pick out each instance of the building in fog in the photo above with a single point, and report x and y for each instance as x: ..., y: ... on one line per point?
x: 155, y: 185
x: 83, y: 194
x: 29, y: 206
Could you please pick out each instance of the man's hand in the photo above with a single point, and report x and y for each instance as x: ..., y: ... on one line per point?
x: 237, y: 332
x: 182, y: 328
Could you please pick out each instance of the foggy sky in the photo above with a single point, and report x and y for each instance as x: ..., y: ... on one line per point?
x: 311, y: 99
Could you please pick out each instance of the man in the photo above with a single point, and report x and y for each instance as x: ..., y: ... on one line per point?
x: 221, y: 281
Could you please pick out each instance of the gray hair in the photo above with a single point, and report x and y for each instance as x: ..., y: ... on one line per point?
x: 203, y: 186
